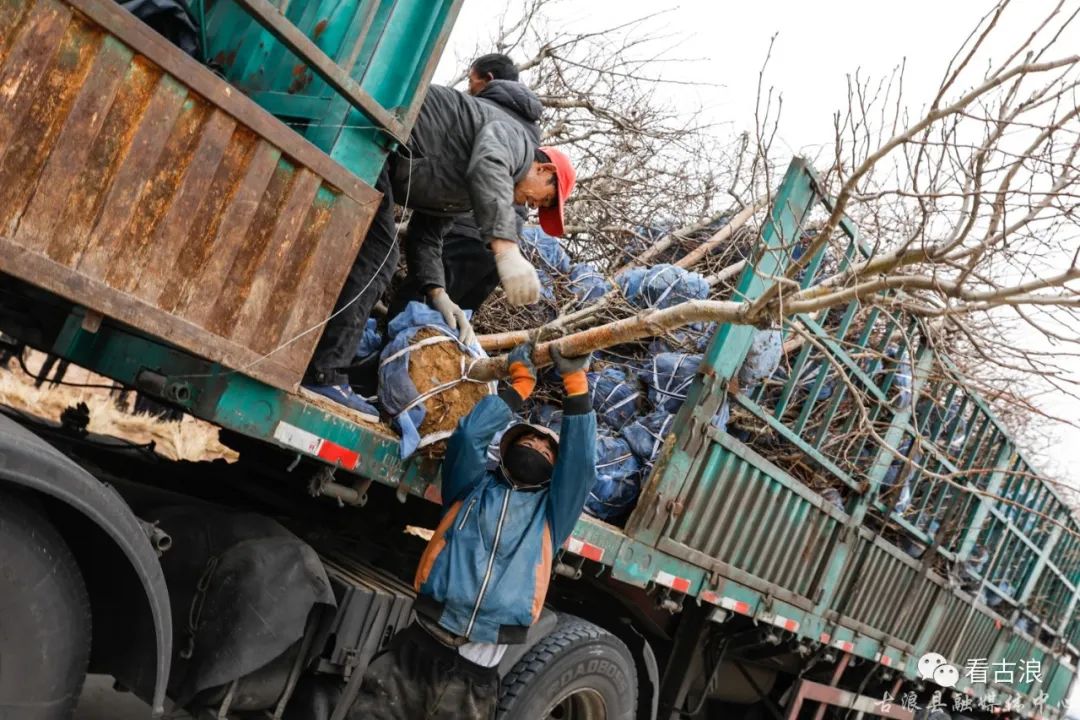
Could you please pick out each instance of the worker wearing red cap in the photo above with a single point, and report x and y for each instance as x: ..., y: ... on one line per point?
x: 470, y: 273
x: 464, y: 154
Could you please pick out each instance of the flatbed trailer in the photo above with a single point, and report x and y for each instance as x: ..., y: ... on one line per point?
x: 158, y: 226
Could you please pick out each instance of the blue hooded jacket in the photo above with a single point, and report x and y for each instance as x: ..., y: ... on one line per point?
x: 485, y: 572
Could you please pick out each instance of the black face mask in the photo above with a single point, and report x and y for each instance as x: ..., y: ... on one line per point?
x: 526, y: 467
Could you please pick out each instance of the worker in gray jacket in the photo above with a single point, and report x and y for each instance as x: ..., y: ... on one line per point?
x: 469, y: 274
x: 464, y: 154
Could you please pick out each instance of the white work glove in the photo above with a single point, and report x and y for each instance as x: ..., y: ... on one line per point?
x: 453, y: 315
x: 518, y: 277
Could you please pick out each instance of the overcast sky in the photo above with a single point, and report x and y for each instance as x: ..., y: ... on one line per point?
x: 817, y: 46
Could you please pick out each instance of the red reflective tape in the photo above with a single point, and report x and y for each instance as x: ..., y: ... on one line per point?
x: 309, y: 442
x: 844, y: 645
x: 673, y: 581
x: 334, y: 453
x: 886, y: 660
x: 824, y: 638
x: 710, y: 597
x: 743, y: 608
x: 780, y: 621
x: 584, y: 549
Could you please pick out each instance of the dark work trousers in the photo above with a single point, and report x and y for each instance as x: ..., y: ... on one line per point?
x: 419, y: 678
x: 470, y: 272
x: 369, y: 277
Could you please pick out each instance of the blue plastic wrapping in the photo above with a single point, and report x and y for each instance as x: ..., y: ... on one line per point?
x: 550, y: 416
x: 899, y: 365
x: 832, y: 495
x: 614, y: 397
x: 762, y: 359
x: 618, y: 480
x: 994, y: 596
x: 661, y: 286
x: 587, y: 284
x: 548, y: 249
x: 646, y: 435
x: 668, y: 377
x: 397, y: 394
x: 547, y: 256
x: 902, y: 497
x: 370, y: 342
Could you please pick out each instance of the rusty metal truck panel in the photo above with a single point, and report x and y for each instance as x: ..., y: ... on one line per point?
x: 135, y: 182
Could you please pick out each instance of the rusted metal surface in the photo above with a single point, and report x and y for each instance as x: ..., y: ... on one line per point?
x: 135, y: 182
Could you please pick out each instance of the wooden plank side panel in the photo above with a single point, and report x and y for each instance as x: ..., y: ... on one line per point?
x: 35, y: 42
x: 52, y: 101
x: 12, y: 13
x: 181, y: 225
x: 71, y: 150
x: 319, y: 288
x: 182, y: 211
x: 204, y: 223
x: 298, y: 265
x: 229, y: 297
x: 110, y: 147
x: 130, y: 249
x: 205, y: 83
x: 201, y: 293
x: 132, y: 178
x: 112, y: 303
x: 261, y: 300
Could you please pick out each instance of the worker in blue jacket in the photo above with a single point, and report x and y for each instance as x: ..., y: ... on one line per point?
x: 483, y: 578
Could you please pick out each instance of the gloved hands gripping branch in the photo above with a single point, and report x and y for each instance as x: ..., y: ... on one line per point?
x: 516, y: 274
x: 452, y: 314
x: 573, y: 371
x: 522, y: 371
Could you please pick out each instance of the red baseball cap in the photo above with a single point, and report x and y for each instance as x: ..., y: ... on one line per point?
x: 551, y: 218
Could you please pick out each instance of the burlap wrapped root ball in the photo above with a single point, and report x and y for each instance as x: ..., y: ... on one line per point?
x: 422, y: 380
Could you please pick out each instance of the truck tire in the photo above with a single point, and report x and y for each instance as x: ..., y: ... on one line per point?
x: 578, y: 672
x: 44, y: 616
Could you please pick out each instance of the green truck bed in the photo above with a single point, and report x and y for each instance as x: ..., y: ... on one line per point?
x: 717, y: 523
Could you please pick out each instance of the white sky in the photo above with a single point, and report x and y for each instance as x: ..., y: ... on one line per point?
x: 817, y: 46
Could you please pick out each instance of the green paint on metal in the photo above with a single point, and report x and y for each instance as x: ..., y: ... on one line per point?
x: 386, y: 46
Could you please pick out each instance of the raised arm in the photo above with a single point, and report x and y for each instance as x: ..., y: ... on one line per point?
x: 575, y: 467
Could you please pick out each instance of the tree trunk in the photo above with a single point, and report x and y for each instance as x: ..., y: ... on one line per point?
x: 650, y: 323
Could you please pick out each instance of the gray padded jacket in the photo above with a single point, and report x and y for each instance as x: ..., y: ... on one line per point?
x: 466, y: 153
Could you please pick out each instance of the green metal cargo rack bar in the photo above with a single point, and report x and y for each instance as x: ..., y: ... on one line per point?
x: 349, y: 75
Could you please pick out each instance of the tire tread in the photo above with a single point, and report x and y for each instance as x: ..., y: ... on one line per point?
x: 569, y: 631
